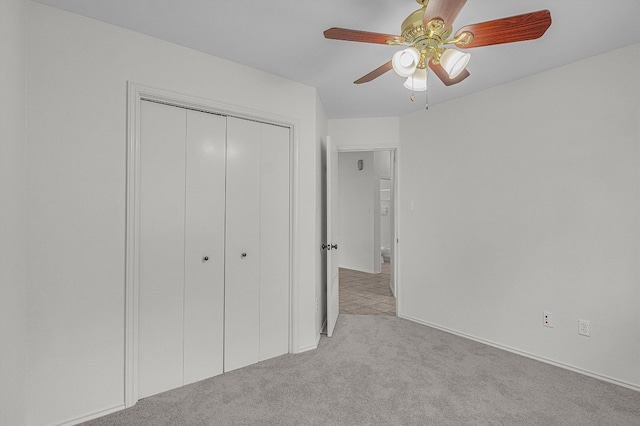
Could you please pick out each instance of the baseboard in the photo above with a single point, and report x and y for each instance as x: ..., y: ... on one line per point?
x: 87, y: 417
x: 310, y: 347
x: 528, y: 355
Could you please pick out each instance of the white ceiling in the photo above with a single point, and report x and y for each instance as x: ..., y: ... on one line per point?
x: 284, y: 37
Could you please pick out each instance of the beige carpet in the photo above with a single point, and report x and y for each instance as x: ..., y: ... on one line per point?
x: 383, y: 370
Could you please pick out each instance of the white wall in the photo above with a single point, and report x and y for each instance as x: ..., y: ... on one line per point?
x: 357, y: 211
x: 382, y: 163
x: 78, y: 69
x: 371, y: 132
x: 13, y: 324
x: 532, y: 205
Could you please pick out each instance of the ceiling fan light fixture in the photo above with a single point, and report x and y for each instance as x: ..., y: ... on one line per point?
x: 405, y: 61
x: 418, y: 81
x: 454, y: 62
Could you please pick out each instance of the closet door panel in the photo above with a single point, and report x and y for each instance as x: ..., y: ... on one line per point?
x: 161, y: 261
x: 274, y: 242
x: 204, y: 246
x: 242, y: 292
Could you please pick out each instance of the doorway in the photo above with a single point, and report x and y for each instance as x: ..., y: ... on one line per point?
x: 367, y: 230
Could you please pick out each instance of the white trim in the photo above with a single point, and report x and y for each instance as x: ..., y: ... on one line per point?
x: 294, y: 273
x: 94, y: 415
x: 132, y: 243
x: 310, y: 347
x: 137, y: 93
x: 366, y: 148
x: 396, y: 227
x: 527, y: 354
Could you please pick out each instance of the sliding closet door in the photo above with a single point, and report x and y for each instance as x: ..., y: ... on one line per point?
x: 242, y: 291
x: 204, y: 246
x: 161, y: 262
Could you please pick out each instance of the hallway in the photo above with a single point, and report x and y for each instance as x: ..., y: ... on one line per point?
x: 366, y: 294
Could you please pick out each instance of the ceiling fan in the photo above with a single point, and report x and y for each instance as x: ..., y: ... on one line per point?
x: 426, y: 35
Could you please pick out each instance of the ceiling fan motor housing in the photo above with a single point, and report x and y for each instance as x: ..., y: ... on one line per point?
x: 426, y: 39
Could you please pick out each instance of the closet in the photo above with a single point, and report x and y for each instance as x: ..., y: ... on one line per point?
x: 213, y: 245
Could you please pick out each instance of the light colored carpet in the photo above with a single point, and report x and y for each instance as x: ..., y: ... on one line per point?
x: 383, y: 370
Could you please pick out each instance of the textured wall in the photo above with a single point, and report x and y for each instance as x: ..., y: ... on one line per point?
x: 77, y: 80
x: 530, y: 202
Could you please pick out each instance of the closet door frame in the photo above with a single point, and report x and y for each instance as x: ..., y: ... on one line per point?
x: 136, y: 94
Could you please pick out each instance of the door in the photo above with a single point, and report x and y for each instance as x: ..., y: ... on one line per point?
x: 257, y: 243
x: 275, y: 241
x: 204, y: 246
x: 161, y: 262
x: 333, y: 284
x: 214, y: 245
x: 242, y: 295
x: 181, y: 264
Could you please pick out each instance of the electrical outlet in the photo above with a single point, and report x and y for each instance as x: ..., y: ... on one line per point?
x: 584, y: 328
x: 547, y: 319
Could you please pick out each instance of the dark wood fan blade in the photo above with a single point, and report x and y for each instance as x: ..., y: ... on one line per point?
x: 361, y: 36
x: 442, y: 74
x: 528, y: 26
x: 447, y: 10
x: 375, y: 73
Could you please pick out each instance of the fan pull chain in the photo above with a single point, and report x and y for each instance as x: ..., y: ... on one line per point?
x: 412, y: 97
x: 426, y: 100
x: 426, y: 92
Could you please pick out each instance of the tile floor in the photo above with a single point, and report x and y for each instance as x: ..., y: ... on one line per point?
x: 366, y: 294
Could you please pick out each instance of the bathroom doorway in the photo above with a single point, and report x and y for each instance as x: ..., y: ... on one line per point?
x: 367, y: 232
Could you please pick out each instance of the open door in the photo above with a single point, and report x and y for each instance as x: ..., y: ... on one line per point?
x: 333, y: 285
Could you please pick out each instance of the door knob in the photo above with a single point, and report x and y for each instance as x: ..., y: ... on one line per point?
x: 334, y: 246
x: 204, y: 259
x: 324, y: 246
x: 243, y: 255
